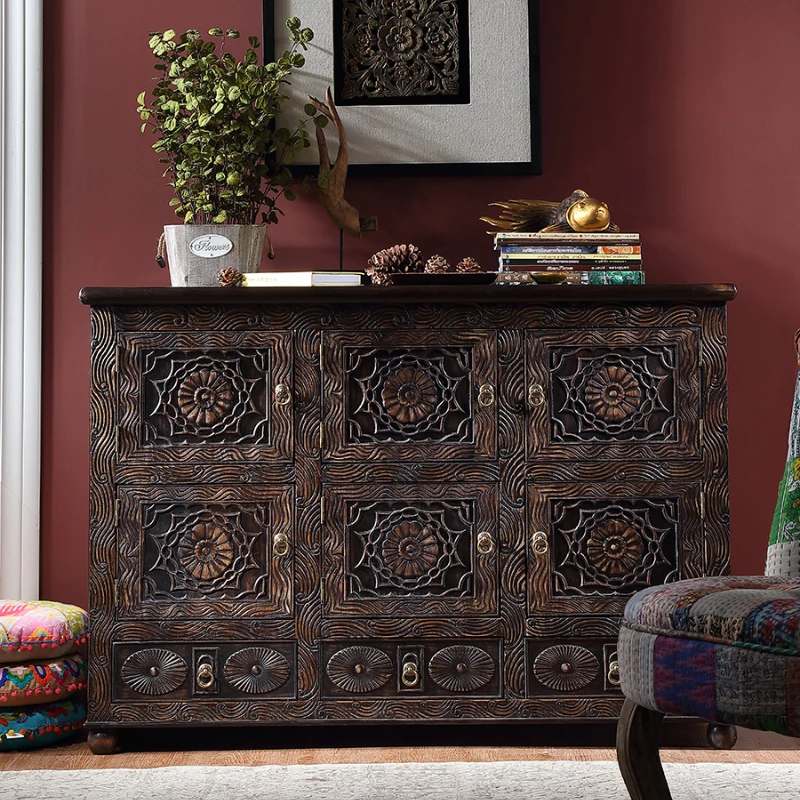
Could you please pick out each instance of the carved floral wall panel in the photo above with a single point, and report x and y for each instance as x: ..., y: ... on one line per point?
x: 401, y: 51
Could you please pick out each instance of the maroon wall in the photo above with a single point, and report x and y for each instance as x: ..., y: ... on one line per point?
x: 681, y: 115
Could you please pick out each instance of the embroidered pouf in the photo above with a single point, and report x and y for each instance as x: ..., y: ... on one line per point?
x: 39, y: 670
x: 41, y: 681
x: 40, y: 725
x: 37, y: 629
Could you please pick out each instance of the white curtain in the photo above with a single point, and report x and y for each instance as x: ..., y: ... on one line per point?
x: 20, y: 295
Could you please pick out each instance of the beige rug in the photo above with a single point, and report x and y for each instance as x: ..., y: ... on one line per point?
x: 509, y: 780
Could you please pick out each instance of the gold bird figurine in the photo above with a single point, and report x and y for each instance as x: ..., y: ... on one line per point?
x: 578, y: 212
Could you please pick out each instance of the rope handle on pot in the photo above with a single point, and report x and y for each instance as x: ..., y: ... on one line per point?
x: 161, y: 252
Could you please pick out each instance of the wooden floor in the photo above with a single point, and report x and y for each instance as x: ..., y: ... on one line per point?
x: 681, y: 742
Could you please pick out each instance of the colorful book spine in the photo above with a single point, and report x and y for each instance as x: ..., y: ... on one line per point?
x: 517, y: 237
x: 572, y: 249
x: 568, y: 264
x: 615, y: 277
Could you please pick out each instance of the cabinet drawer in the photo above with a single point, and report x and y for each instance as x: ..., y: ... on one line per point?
x: 197, y: 671
x: 211, y: 396
x: 410, y: 394
x: 204, y: 552
x: 563, y: 667
x: 612, y: 393
x: 411, y: 669
x: 592, y: 545
x: 409, y: 550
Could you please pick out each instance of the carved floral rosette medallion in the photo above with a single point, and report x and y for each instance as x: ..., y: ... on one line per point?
x: 409, y: 397
x: 359, y: 668
x: 565, y: 667
x: 407, y: 550
x: 154, y: 671
x: 205, y: 550
x: 395, y: 50
x: 256, y: 670
x: 215, y: 398
x: 614, y: 545
x: 615, y: 396
x: 461, y: 668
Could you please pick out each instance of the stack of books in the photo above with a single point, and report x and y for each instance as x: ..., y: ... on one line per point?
x: 587, y: 258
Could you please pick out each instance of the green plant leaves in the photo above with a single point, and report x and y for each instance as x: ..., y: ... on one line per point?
x: 211, y: 113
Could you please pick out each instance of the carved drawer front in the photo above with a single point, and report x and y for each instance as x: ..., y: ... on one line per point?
x: 612, y: 393
x: 561, y: 667
x: 591, y: 546
x: 202, y: 671
x: 211, y: 396
x: 204, y: 552
x: 407, y: 550
x: 369, y: 668
x: 419, y: 395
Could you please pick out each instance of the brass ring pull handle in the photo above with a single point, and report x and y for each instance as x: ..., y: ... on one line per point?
x: 485, y: 543
x: 410, y: 674
x: 283, y: 394
x: 536, y: 395
x: 280, y: 545
x: 486, y: 395
x: 205, y: 676
x: 613, y: 672
x: 539, y: 543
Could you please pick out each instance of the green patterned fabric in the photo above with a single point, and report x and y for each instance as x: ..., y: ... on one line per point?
x: 783, y: 553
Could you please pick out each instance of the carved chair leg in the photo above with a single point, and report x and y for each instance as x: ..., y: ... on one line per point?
x: 721, y: 737
x: 637, y: 753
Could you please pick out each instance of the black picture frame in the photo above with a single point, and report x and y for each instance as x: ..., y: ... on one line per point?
x: 532, y: 167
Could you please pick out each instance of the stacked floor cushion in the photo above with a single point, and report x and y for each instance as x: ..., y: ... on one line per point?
x: 40, y: 670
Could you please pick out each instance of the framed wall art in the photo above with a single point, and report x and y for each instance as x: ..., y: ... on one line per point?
x: 423, y: 87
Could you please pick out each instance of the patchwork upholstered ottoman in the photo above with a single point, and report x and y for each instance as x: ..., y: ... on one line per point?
x: 40, y: 671
x: 726, y: 649
x: 723, y: 648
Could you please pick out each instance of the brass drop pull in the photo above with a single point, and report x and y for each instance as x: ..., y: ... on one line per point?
x: 205, y: 675
x: 536, y: 395
x: 283, y: 394
x: 539, y: 543
x: 486, y: 395
x: 280, y: 545
x: 410, y: 674
x: 485, y: 543
x: 613, y: 672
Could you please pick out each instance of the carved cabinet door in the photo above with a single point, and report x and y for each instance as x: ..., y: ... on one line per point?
x: 592, y: 545
x: 409, y: 394
x: 410, y: 550
x: 204, y: 552
x: 612, y: 394
x: 214, y: 396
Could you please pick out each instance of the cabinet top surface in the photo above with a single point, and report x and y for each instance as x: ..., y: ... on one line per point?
x: 648, y: 293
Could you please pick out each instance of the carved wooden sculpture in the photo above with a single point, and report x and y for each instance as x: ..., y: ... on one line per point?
x: 331, y: 188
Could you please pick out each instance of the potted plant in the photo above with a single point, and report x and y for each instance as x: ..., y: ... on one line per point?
x: 226, y: 159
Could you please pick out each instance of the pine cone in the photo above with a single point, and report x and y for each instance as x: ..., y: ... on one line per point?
x: 437, y: 264
x: 230, y: 276
x: 468, y: 264
x: 400, y: 258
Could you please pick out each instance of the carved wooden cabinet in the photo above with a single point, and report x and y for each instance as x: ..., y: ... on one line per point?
x: 388, y: 504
